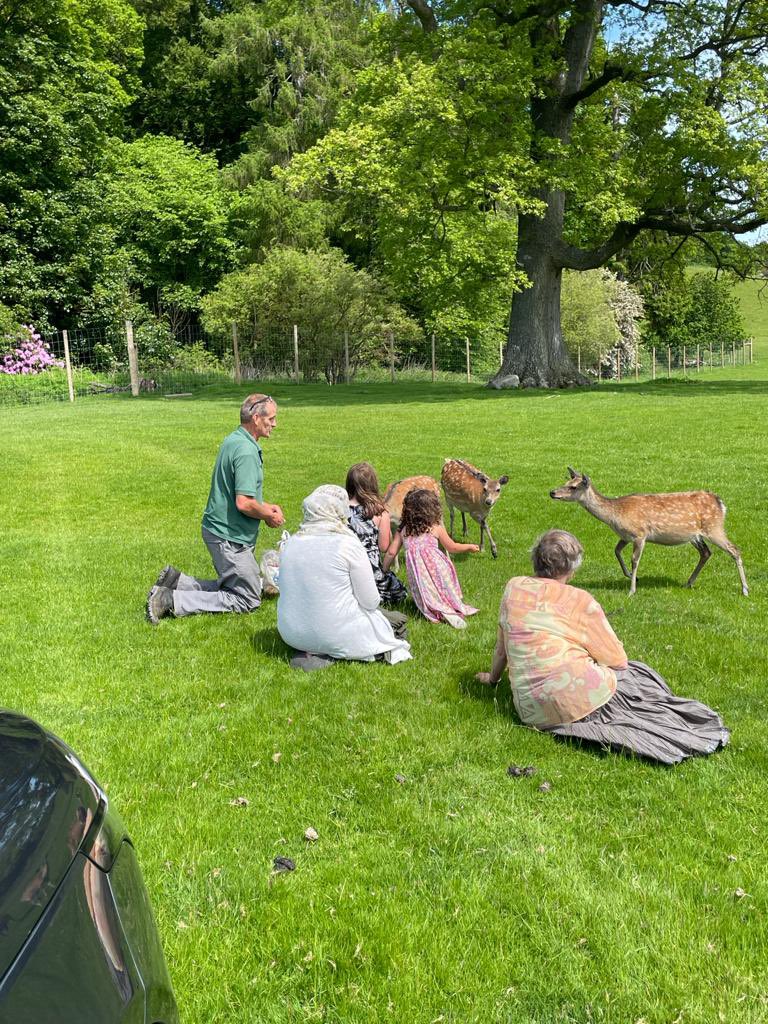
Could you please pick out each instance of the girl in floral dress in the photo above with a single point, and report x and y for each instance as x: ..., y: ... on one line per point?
x: 431, y: 576
x: 369, y: 520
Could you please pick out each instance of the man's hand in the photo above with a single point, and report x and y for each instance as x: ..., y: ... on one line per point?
x: 274, y: 516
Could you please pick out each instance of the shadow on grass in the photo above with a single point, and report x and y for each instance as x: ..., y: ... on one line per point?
x: 319, y: 395
x: 643, y: 583
x: 500, y: 698
x: 268, y: 641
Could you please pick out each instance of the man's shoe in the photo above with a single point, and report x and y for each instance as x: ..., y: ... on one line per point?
x: 169, y: 577
x: 159, y: 604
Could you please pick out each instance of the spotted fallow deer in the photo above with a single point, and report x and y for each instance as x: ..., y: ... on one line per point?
x: 685, y: 517
x: 471, y: 491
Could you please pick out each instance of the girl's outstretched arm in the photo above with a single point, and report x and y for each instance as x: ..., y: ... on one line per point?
x: 395, y: 545
x: 385, y: 531
x: 451, y: 546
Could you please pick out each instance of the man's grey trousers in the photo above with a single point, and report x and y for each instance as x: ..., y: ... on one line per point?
x: 237, y: 589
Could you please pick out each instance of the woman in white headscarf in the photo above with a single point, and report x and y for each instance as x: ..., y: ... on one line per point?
x: 328, y: 607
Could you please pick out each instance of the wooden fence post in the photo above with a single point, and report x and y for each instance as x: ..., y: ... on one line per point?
x: 698, y: 358
x: 392, y: 356
x: 433, y: 357
x: 637, y: 366
x: 68, y: 366
x: 133, y: 362
x: 751, y: 343
x: 599, y: 366
x: 722, y: 355
x: 669, y: 361
x: 710, y: 356
x: 346, y: 357
x: 501, y: 352
x: 469, y: 364
x: 733, y: 353
x: 236, y: 351
x: 296, y: 352
x: 618, y: 365
x: 578, y: 358
x: 685, y: 372
x: 653, y: 363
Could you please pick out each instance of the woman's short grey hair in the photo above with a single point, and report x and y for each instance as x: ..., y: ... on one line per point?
x: 556, y: 553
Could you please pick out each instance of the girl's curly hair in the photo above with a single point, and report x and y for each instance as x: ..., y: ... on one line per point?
x: 363, y: 486
x: 421, y: 511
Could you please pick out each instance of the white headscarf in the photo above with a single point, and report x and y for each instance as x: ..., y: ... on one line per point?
x: 326, y: 510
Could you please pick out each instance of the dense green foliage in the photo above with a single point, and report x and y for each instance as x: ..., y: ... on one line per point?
x: 690, y: 310
x: 319, y: 292
x: 589, y: 323
x: 150, y: 149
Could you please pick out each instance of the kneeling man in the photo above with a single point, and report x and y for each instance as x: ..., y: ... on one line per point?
x: 230, y: 526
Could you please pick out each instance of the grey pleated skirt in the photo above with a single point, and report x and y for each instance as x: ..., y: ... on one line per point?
x: 645, y: 717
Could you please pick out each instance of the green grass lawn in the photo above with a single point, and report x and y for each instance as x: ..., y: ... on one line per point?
x: 459, y: 894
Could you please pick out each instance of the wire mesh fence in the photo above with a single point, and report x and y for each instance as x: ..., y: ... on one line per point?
x: 150, y: 359
x: 664, y: 362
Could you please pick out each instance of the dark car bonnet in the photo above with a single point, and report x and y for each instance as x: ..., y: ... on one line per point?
x: 48, y: 802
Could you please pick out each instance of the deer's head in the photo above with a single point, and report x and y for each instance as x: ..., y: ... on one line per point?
x: 492, y: 489
x: 574, y: 489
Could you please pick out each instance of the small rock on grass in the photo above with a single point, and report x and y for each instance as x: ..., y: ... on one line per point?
x: 239, y: 801
x: 400, y: 778
x: 310, y: 835
x: 545, y: 787
x: 281, y: 864
x: 517, y: 771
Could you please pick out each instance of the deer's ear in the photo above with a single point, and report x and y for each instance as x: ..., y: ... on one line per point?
x: 482, y: 478
x: 503, y: 480
x: 586, y: 482
x: 572, y: 472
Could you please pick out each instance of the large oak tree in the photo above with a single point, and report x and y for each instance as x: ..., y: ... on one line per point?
x: 588, y: 122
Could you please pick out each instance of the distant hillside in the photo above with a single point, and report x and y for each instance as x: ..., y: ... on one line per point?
x: 753, y: 296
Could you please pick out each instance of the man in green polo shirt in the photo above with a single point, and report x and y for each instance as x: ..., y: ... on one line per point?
x: 230, y: 526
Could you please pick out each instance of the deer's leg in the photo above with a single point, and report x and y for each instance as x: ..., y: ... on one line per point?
x: 618, y: 549
x: 452, y: 512
x: 721, y: 541
x: 704, y: 555
x: 637, y: 554
x: 484, y: 526
x: 464, y: 523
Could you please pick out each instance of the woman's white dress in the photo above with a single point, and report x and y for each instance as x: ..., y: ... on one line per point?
x: 329, y: 600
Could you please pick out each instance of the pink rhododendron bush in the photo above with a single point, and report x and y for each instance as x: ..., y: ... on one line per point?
x: 30, y: 355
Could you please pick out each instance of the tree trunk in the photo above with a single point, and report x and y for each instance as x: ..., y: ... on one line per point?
x: 535, y: 349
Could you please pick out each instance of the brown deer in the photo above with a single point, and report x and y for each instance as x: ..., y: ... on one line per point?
x: 685, y: 517
x: 395, y: 495
x: 396, y: 492
x: 471, y: 491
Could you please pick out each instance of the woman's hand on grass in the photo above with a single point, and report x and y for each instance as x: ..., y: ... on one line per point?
x: 484, y: 678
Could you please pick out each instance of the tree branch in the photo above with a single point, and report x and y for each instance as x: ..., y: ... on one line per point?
x: 541, y: 9
x: 610, y: 73
x: 575, y: 258
x: 425, y: 14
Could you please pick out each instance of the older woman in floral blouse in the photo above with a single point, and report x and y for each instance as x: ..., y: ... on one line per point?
x: 570, y: 675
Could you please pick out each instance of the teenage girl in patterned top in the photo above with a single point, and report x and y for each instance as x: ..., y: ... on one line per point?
x: 369, y: 520
x: 431, y: 576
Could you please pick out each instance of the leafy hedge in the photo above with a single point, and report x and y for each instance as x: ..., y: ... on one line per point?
x: 50, y: 385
